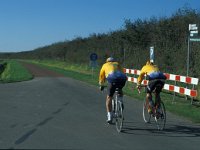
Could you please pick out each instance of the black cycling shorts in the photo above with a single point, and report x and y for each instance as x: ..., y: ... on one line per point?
x: 113, y: 85
x: 156, y: 84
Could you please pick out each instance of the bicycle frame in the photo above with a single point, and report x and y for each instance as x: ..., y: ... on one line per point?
x: 155, y: 107
x: 160, y: 118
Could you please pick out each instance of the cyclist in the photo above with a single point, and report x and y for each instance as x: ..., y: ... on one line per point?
x: 156, y: 82
x: 113, y: 73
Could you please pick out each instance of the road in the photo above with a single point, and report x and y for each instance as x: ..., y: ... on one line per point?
x: 56, y: 112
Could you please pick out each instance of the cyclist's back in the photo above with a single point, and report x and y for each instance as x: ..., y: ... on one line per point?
x: 112, y: 72
x: 153, y: 74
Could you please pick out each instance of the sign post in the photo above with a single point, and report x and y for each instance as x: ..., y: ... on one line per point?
x: 152, y: 54
x: 93, y: 63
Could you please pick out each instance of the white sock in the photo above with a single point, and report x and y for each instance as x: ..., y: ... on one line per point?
x: 109, y: 115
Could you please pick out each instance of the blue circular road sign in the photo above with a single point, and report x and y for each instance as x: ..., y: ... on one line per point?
x: 93, y: 57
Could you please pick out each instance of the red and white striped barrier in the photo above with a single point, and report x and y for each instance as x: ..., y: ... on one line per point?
x: 172, y: 77
x: 189, y: 80
x: 181, y: 90
x: 132, y: 71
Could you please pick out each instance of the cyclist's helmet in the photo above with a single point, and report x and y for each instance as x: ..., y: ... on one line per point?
x: 110, y: 59
x: 149, y: 62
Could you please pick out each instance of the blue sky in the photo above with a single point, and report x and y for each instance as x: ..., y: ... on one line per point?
x: 29, y: 24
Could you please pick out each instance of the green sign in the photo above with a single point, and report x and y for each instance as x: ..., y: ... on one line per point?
x: 194, y: 40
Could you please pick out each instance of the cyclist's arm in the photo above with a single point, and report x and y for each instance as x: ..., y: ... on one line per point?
x: 102, y: 76
x: 145, y: 69
x: 139, y: 87
x: 140, y: 77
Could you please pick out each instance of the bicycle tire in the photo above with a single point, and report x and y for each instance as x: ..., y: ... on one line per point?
x: 119, y: 117
x: 161, y: 119
x: 146, y: 115
x: 113, y: 106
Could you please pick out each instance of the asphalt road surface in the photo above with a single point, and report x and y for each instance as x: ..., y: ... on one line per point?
x: 56, y: 112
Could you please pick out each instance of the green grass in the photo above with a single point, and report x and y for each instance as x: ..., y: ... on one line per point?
x: 181, y: 107
x: 15, y: 72
x: 77, y: 71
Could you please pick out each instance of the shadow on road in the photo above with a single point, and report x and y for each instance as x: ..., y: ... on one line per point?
x: 171, y: 130
x: 24, y: 137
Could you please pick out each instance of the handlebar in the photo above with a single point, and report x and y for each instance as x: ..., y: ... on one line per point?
x: 102, y: 88
x: 139, y: 88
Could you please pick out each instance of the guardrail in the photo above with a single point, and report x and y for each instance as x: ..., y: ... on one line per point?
x: 191, y: 92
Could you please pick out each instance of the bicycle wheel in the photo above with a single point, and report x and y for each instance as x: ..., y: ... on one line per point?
x: 146, y: 115
x: 119, y: 117
x: 160, y: 117
x: 113, y: 106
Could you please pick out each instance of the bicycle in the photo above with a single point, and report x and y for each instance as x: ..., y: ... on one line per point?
x: 118, y: 108
x: 159, y: 114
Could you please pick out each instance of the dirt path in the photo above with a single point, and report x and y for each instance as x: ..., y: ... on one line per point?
x: 38, y: 71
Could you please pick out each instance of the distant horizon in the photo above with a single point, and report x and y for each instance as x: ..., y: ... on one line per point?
x: 28, y: 25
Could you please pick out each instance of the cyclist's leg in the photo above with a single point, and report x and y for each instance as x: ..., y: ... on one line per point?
x: 120, y: 84
x: 111, y: 90
x: 109, y: 103
x: 159, y: 86
x: 150, y: 101
x: 150, y: 88
x: 157, y: 99
x: 149, y: 98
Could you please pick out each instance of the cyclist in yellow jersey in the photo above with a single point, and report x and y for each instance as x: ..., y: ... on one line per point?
x: 156, y: 81
x: 113, y: 73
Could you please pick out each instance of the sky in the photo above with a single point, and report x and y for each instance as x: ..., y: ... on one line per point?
x: 28, y: 24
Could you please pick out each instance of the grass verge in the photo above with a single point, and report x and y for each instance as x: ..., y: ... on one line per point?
x: 14, y: 72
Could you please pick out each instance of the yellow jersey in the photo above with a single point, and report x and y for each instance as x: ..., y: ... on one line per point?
x: 111, y: 71
x: 152, y: 71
